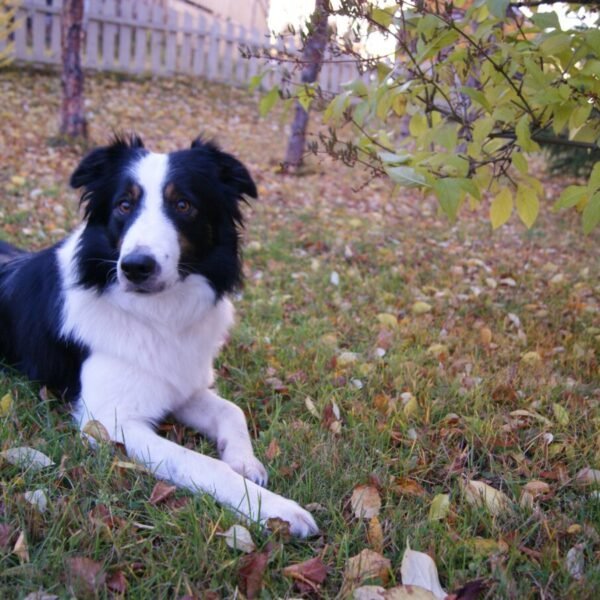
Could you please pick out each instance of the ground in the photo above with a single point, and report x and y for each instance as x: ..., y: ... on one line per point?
x: 376, y: 345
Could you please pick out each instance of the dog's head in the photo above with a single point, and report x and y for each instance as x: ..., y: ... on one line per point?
x: 155, y: 219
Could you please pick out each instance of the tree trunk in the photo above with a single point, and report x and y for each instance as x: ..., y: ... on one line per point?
x: 312, y: 57
x: 73, y: 123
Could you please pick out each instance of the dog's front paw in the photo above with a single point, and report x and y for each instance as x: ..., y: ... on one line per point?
x: 302, y: 523
x: 249, y: 467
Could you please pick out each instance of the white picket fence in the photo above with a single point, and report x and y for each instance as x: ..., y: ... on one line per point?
x: 130, y: 37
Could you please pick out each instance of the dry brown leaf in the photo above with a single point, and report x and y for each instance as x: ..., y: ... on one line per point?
x: 160, y: 492
x: 375, y: 535
x: 309, y: 575
x: 369, y: 592
x: 96, y: 431
x: 409, y: 592
x: 366, y: 565
x: 478, y: 493
x: 251, y: 572
x: 365, y: 501
x: 117, y: 582
x: 21, y: 549
x: 273, y: 450
x: 85, y: 576
x: 588, y: 476
x: 409, y: 487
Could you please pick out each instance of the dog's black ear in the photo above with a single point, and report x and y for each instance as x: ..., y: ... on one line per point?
x: 98, y: 162
x: 231, y: 171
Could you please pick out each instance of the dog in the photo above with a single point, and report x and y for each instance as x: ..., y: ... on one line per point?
x: 125, y: 316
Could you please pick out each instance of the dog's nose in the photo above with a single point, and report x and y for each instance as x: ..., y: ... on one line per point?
x: 138, y: 266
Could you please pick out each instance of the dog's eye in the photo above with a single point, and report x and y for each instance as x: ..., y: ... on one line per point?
x: 183, y: 206
x: 125, y: 206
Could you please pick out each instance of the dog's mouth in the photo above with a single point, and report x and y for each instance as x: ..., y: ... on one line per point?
x: 146, y: 288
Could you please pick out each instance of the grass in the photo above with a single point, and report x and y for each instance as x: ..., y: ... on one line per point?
x: 535, y: 291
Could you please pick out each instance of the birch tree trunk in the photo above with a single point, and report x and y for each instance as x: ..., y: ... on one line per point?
x: 73, y: 123
x: 312, y: 57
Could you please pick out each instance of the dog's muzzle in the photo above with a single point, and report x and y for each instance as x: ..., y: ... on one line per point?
x: 141, y: 271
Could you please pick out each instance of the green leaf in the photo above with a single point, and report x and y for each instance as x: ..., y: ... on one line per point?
x: 527, y: 204
x: 383, y: 17
x: 594, y: 180
x: 394, y: 159
x: 556, y: 43
x: 337, y: 107
x: 571, y: 196
x: 450, y: 193
x: 305, y: 97
x: 546, y: 20
x: 590, y: 217
x: 501, y: 208
x: 268, y: 101
x: 477, y: 96
x: 405, y: 176
x: 439, y: 507
x: 497, y: 7
x: 520, y: 162
x: 256, y: 80
x: 524, y: 135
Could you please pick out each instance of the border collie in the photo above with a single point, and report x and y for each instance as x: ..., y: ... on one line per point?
x: 125, y: 316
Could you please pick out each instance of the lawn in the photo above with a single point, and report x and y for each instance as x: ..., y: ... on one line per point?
x: 376, y: 345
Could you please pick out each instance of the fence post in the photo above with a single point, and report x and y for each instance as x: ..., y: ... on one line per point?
x: 199, y: 66
x: 185, y: 58
x: 226, y: 74
x: 141, y: 36
x: 55, y: 50
x: 109, y: 31
x: 93, y: 30
x: 213, y: 53
x: 125, y: 36
x: 171, y: 30
x: 157, y: 40
x: 240, y: 69
x: 39, y: 31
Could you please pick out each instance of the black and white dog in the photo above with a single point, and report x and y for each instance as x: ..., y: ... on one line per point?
x: 125, y: 316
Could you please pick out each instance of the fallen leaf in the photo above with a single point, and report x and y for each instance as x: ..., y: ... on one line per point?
x: 116, y: 582
x: 478, y: 493
x: 279, y: 529
x: 420, y: 308
x: 485, y: 546
x: 312, y: 409
x: 409, y: 592
x: 575, y: 561
x: 85, y: 576
x: 365, y: 501
x: 561, y: 414
x: 38, y: 499
x: 588, y: 476
x: 40, y: 595
x: 375, y: 535
x: 485, y: 336
x: 273, y: 450
x: 27, y: 458
x: 536, y: 488
x: 308, y: 575
x: 6, y: 403
x: 369, y: 592
x: 160, y: 492
x: 346, y: 358
x: 368, y: 564
x: 6, y: 536
x: 21, y: 549
x: 418, y: 569
x: 96, y: 431
x: 410, y: 487
x: 238, y: 538
x: 439, y: 351
x: 472, y: 590
x: 251, y: 572
x: 388, y: 320
x: 531, y: 358
x: 439, y: 507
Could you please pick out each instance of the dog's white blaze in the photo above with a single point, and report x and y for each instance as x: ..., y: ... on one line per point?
x: 153, y: 231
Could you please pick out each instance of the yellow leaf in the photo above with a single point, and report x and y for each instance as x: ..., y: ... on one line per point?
x: 17, y: 180
x: 388, y: 320
x: 375, y: 535
x: 501, y: 208
x: 439, y: 508
x: 5, y: 404
x: 485, y: 335
x: 420, y: 308
x: 560, y: 414
x: 366, y: 565
x: 478, y: 493
x: 96, y: 431
x: 527, y: 204
x: 531, y: 358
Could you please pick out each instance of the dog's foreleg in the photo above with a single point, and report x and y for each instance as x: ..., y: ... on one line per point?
x: 223, y: 422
